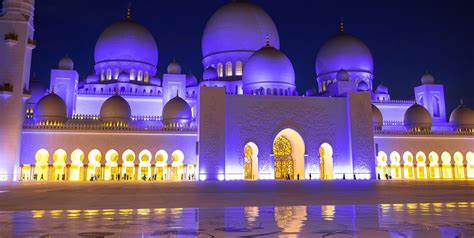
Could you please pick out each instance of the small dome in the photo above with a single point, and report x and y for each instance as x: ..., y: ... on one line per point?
x: 51, y: 108
x: 178, y: 111
x: 342, y: 75
x: 427, y: 78
x: 191, y: 80
x: 174, y: 68
x: 209, y: 74
x: 124, y: 77
x: 462, y: 118
x: 417, y: 118
x: 66, y: 63
x: 115, y: 109
x: 268, y: 66
x: 377, y: 118
x: 381, y: 89
x: 362, y: 86
x: 239, y: 26
x: 126, y: 40
x: 344, y: 51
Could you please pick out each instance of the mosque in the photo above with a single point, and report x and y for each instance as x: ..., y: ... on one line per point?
x: 242, y: 119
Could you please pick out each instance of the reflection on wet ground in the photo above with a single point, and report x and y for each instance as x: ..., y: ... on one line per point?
x: 385, y: 220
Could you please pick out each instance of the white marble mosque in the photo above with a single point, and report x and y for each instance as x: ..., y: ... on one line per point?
x: 242, y: 119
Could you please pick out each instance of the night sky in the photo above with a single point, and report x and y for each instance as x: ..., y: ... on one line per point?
x: 406, y: 37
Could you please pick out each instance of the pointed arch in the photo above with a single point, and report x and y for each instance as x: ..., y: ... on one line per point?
x: 421, y: 165
x: 382, y: 165
x: 77, y: 165
x: 288, y: 150
x: 41, y: 165
x: 459, y: 165
x: 111, y: 166
x: 59, y: 164
x: 395, y: 166
x: 251, y: 161
x: 326, y: 162
x: 144, y: 172
x: 161, y: 158
x: 409, y: 172
x: 433, y: 159
x: 446, y: 165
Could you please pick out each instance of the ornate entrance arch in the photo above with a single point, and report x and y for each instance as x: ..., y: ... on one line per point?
x: 288, y: 151
x: 326, y: 161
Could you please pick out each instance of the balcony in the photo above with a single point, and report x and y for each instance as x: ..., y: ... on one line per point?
x: 6, y: 90
x: 11, y: 39
x: 31, y: 43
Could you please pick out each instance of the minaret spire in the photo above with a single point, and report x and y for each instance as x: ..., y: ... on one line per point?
x: 129, y: 10
x: 341, y: 25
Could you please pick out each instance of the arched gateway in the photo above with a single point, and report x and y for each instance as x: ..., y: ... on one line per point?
x: 288, y: 151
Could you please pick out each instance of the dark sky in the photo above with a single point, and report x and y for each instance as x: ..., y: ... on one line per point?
x: 406, y: 37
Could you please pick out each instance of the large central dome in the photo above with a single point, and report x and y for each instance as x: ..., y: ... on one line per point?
x: 126, y: 40
x: 238, y: 26
x: 344, y: 51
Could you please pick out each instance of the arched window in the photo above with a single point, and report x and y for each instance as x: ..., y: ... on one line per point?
x: 109, y: 74
x: 238, y: 68
x: 116, y: 74
x: 269, y: 91
x: 102, y: 75
x: 422, y: 103
x: 220, y: 70
x: 140, y: 75
x: 228, y: 69
x: 275, y: 91
x: 324, y: 86
x: 146, y: 78
x: 435, y: 106
x: 132, y: 74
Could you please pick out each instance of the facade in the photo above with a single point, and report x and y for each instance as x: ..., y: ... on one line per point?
x: 242, y: 119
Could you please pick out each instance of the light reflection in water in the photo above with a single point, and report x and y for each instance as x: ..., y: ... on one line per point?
x: 384, y: 220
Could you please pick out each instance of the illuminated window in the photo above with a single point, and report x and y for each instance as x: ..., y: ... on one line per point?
x: 436, y: 106
x: 146, y: 79
x: 324, y: 86
x: 228, y: 70
x: 132, y: 74
x: 220, y: 70
x: 238, y: 68
x: 102, y: 75
x: 140, y: 75
x: 109, y: 74
x: 116, y: 74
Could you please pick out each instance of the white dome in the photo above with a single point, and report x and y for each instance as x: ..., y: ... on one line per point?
x: 362, y: 86
x: 268, y: 66
x: 381, y: 89
x: 344, y: 51
x: 177, y: 110
x: 342, y: 75
x: 417, y: 117
x: 126, y: 40
x: 427, y: 78
x: 66, y: 63
x: 209, y: 74
x: 174, y: 68
x: 238, y: 26
x: 462, y: 118
x: 115, y: 109
x: 51, y: 108
x: 191, y: 80
x: 377, y: 118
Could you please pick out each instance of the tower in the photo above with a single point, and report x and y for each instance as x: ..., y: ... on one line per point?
x: 64, y: 82
x: 17, y: 31
x: 431, y: 96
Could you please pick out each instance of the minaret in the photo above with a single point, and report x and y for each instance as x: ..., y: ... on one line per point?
x: 17, y: 34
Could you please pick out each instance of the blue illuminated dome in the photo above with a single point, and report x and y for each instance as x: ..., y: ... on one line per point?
x: 191, y: 80
x: 209, y: 74
x: 381, y: 89
x: 362, y: 86
x: 235, y: 31
x: 115, y: 109
x: 268, y: 68
x: 126, y: 42
x: 344, y: 51
x: 177, y: 111
x: 51, y: 108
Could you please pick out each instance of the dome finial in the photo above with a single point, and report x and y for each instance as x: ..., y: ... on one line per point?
x: 52, y: 89
x: 129, y: 10
x: 462, y: 102
x: 341, y: 25
x: 177, y: 93
x: 267, y: 44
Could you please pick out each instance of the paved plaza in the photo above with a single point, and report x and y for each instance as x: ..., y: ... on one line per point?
x: 138, y: 195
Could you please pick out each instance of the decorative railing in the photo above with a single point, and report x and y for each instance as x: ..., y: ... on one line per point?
x: 434, y: 133
x: 101, y: 127
x: 147, y: 118
x: 394, y: 101
x: 107, y: 93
